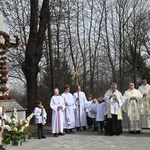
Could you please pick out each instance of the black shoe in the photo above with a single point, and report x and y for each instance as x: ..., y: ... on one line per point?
x: 61, y: 133
x: 67, y: 131
x: 55, y: 135
x: 138, y: 132
x: 78, y: 128
x: 43, y: 137
x: 109, y: 134
x: 70, y: 131
x: 84, y: 128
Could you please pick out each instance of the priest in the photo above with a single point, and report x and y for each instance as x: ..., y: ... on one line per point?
x: 145, y: 107
x: 81, y: 105
x: 58, y: 106
x: 69, y: 116
x: 132, y: 108
x: 114, y: 100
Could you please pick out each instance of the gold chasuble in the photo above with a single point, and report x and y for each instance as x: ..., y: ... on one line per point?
x: 132, y: 108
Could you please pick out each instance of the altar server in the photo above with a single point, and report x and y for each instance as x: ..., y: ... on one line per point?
x: 81, y: 105
x: 40, y: 118
x: 69, y: 116
x: 57, y: 105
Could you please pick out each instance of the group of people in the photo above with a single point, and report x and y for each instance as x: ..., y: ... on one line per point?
x: 103, y: 113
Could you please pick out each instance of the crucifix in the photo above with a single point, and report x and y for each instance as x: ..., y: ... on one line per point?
x: 76, y: 73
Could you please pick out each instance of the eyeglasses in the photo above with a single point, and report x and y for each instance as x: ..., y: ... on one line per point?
x: 131, y: 85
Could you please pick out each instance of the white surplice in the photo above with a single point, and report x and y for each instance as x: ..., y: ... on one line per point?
x: 101, y: 111
x: 69, y: 116
x: 38, y: 115
x: 57, y: 114
x: 81, y: 119
x: 113, y: 104
x: 92, y: 109
x: 132, y: 108
x: 145, y: 107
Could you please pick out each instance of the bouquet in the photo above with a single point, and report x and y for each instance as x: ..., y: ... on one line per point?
x: 15, y: 129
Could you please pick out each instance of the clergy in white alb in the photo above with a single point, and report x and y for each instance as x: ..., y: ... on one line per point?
x: 145, y: 106
x: 57, y: 105
x: 132, y: 108
x: 69, y: 116
x: 114, y: 100
x: 81, y: 105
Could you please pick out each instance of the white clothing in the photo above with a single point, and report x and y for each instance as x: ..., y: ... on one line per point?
x: 38, y: 115
x: 132, y: 107
x: 114, y: 105
x: 81, y: 119
x: 4, y: 117
x: 92, y: 110
x: 69, y: 116
x: 145, y: 106
x: 101, y: 111
x: 144, y: 89
x: 57, y: 113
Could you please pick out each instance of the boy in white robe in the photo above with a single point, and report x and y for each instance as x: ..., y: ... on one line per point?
x: 92, y: 113
x: 69, y: 116
x: 89, y: 120
x: 101, y: 112
x: 57, y: 105
x: 81, y: 105
x: 40, y: 118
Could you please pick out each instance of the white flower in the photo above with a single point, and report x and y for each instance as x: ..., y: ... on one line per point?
x: 7, y: 127
x: 29, y: 117
x: 26, y: 125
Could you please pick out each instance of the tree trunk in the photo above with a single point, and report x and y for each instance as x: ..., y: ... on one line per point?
x: 33, y: 52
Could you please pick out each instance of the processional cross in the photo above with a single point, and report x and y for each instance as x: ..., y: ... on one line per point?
x: 76, y: 73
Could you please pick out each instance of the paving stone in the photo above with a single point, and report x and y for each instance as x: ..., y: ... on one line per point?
x: 89, y: 140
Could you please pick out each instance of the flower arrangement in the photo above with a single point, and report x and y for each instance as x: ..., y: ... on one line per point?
x: 7, y: 40
x: 15, y: 130
x: 4, y: 45
x: 4, y: 97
